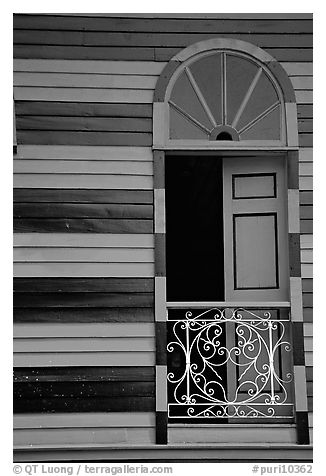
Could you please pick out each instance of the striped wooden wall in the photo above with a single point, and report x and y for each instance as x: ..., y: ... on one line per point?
x: 83, y: 217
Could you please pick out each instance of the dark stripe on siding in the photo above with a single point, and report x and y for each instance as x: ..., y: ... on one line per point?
x: 161, y: 342
x: 294, y: 254
x: 76, y: 374
x: 302, y: 428
x: 85, y: 285
x: 82, y: 196
x: 135, y: 53
x: 80, y: 109
x: 160, y: 262
x: 142, y: 39
x: 159, y: 169
x: 83, y: 300
x: 22, y: 300
x: 306, y: 212
x: 161, y: 428
x: 87, y: 314
x: 306, y: 198
x: 305, y: 125
x: 69, y: 210
x: 83, y: 138
x: 83, y: 404
x: 305, y: 140
x: 56, y: 225
x: 84, y: 124
x: 307, y: 314
x: 306, y: 227
x: 293, y: 169
x: 305, y: 111
x: 309, y: 374
x: 83, y: 389
x: 307, y: 285
x: 298, y: 343
x: 157, y: 25
x: 307, y: 299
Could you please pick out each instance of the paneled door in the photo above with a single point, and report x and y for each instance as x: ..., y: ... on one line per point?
x: 255, y: 237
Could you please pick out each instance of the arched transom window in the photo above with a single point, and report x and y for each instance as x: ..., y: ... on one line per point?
x: 224, y: 96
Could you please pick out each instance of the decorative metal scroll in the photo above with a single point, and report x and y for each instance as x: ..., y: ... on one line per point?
x: 229, y: 363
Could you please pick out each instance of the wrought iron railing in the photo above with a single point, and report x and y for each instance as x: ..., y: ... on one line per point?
x: 229, y: 363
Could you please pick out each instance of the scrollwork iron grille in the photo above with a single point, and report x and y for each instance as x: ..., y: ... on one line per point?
x: 229, y: 363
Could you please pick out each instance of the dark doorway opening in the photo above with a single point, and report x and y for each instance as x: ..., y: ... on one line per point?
x: 194, y: 229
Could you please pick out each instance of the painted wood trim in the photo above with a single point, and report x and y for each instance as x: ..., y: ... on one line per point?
x: 282, y: 80
x: 293, y: 169
x: 180, y: 453
x: 159, y: 210
x: 231, y: 304
x: 164, y: 79
x: 296, y: 299
x: 159, y: 253
x: 299, y: 372
x: 160, y: 299
x: 294, y: 255
x: 159, y: 169
x: 302, y: 423
x: 291, y: 124
x: 293, y: 211
x: 161, y: 343
x: 233, y: 434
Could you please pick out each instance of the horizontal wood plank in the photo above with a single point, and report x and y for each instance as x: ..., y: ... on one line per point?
x: 83, y: 330
x: 82, y: 196
x: 231, y: 26
x: 83, y: 124
x: 105, y: 81
x: 70, y: 152
x: 83, y: 210
x: 77, y: 299
x: 87, y: 225
x: 83, y: 240
x: 76, y: 420
x: 81, y: 359
x: 137, y: 96
x: 83, y: 181
x: 84, y: 138
x: 82, y: 109
x: 84, y: 255
x: 142, y: 270
x: 154, y: 39
x: 84, y: 437
x: 83, y: 315
x: 71, y: 345
x: 54, y: 285
x: 306, y: 241
x: 99, y: 167
x: 79, y: 374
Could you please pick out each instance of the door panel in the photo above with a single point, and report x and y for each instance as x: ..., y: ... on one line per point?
x: 255, y: 237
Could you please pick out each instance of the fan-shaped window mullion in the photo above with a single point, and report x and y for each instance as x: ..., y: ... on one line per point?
x: 225, y: 89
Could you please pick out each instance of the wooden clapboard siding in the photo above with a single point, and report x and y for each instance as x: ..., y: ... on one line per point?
x: 59, y: 215
x: 201, y: 434
x: 83, y: 344
x: 83, y: 300
x: 85, y: 181
x: 84, y: 428
x: 89, y: 153
x: 84, y: 389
